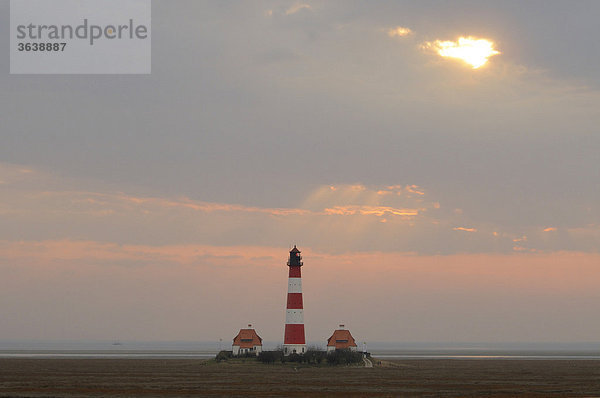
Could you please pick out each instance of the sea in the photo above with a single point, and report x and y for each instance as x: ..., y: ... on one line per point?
x: 381, y: 350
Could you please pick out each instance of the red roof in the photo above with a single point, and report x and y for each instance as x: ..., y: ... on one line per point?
x: 341, y: 339
x: 247, y: 338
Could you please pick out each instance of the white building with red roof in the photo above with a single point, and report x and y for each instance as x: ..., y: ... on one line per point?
x: 247, y: 341
x: 341, y: 339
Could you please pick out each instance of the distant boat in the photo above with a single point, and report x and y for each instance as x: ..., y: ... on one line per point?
x: 116, y: 343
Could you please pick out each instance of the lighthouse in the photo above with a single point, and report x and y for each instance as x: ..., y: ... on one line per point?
x: 294, y: 341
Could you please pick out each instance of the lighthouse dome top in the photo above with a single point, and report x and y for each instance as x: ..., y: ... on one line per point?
x: 295, y: 258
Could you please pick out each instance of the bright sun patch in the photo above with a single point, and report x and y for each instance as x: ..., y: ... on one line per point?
x: 475, y: 52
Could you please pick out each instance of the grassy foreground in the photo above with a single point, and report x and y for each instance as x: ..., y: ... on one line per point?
x: 187, y: 377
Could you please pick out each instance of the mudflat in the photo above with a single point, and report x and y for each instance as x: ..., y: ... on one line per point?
x: 189, y: 377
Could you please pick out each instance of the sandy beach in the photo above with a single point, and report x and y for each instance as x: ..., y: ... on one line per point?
x: 187, y: 377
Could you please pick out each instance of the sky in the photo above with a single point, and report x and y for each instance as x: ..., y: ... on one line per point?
x: 433, y: 199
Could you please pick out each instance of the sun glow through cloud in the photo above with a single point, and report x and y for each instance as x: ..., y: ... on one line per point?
x: 399, y: 31
x: 475, y: 52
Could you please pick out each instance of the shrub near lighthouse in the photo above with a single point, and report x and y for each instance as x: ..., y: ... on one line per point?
x: 294, y: 341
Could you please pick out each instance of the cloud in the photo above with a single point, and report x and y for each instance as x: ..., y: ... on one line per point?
x: 414, y: 189
x: 200, y: 206
x: 298, y: 7
x: 379, y: 211
x: 11, y: 173
x: 465, y: 229
x: 35, y: 205
x: 334, y: 216
x: 399, y: 31
x: 406, y: 190
x: 550, y: 229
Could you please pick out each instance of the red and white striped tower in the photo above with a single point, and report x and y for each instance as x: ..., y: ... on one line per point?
x: 294, y: 341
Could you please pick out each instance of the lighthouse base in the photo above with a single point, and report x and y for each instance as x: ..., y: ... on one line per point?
x: 289, y: 349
